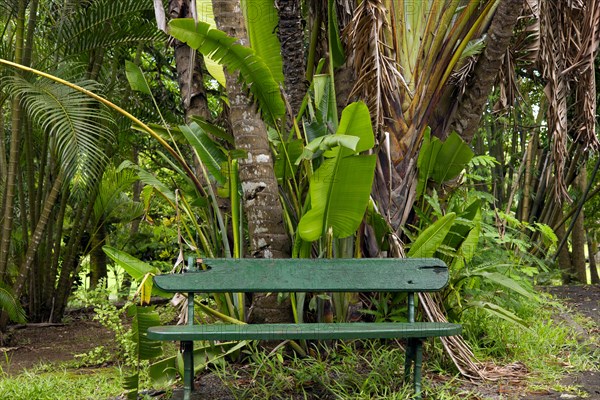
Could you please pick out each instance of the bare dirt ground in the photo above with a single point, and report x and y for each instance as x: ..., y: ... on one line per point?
x: 31, y: 345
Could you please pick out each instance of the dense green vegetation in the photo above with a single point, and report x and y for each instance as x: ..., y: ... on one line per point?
x: 463, y: 130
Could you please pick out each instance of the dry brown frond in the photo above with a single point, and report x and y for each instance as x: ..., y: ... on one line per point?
x: 570, y: 35
x: 554, y: 31
x: 375, y: 67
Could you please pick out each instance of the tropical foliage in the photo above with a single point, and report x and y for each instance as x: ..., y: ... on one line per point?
x: 457, y: 129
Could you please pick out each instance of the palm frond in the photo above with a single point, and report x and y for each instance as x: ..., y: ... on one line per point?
x: 112, y: 201
x: 78, y: 126
x: 106, y: 24
x: 10, y: 306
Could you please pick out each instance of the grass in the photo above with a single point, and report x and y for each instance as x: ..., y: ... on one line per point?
x: 53, y: 383
x: 352, y: 370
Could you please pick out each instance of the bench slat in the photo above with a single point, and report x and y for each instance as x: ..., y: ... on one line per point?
x: 318, y: 331
x: 310, y: 275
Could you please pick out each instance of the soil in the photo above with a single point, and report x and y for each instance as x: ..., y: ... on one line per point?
x: 27, y: 346
x: 33, y: 344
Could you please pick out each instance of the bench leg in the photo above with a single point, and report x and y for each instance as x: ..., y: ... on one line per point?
x: 413, y: 364
x: 418, y: 365
x: 408, y: 360
x: 188, y: 369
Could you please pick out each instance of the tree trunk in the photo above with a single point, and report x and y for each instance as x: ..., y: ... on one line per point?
x: 592, y: 251
x: 578, y: 241
x: 564, y: 257
x: 98, y: 262
x: 465, y: 120
x: 261, y: 203
x: 578, y: 238
x: 263, y: 209
x: 189, y: 68
x: 13, y: 157
x: 291, y: 37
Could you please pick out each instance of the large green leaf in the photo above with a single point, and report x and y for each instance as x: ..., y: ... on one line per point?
x: 136, y: 268
x: 507, y: 282
x: 441, y: 161
x: 335, y: 42
x: 468, y: 247
x: 432, y: 237
x: 339, y: 193
x: 136, y: 78
x: 500, y: 312
x: 225, y: 49
x: 166, y: 370
x: 206, y: 15
x: 206, y: 150
x: 262, y: 21
x: 340, y: 188
x: 144, y: 318
x: 453, y: 157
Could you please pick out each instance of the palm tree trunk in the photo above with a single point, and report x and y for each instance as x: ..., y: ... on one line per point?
x: 465, y: 120
x: 291, y: 37
x: 71, y: 259
x: 189, y: 68
x: 98, y: 260
x: 36, y: 238
x: 578, y: 239
x: 592, y: 250
x: 13, y: 158
x: 261, y: 203
x: 262, y: 206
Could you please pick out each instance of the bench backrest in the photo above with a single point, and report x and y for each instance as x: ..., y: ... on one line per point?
x: 310, y: 275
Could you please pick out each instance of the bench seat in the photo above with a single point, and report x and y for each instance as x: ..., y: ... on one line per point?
x: 316, y: 331
x: 410, y: 276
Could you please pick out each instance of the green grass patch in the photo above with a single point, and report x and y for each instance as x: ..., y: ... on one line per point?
x: 55, y: 383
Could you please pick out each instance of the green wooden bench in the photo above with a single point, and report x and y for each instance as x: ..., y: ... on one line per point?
x: 309, y: 275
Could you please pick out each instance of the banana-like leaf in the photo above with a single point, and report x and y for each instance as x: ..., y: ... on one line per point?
x: 131, y: 385
x: 428, y: 241
x: 441, y: 161
x: 222, y: 48
x: 135, y: 267
x: 335, y: 42
x: 340, y: 188
x: 144, y: 318
x: 468, y: 247
x: 261, y: 23
x: 166, y: 370
x: 206, y: 150
x: 339, y: 193
x: 136, y: 78
x: 453, y: 157
x: 206, y: 15
x: 214, y: 130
